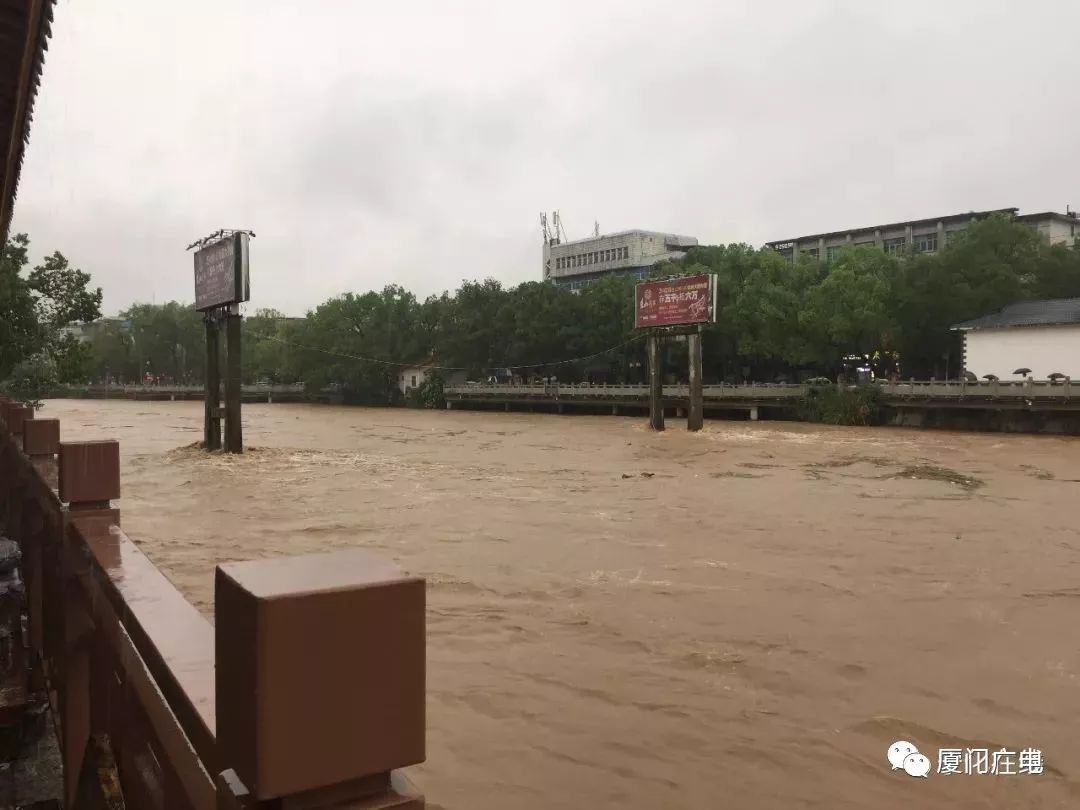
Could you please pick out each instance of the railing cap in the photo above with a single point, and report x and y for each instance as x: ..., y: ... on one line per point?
x: 320, y: 670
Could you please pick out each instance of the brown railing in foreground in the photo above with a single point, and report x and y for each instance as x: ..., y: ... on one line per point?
x: 307, y: 691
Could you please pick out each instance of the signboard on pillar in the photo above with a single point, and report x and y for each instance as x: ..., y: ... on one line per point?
x: 676, y: 301
x: 221, y: 273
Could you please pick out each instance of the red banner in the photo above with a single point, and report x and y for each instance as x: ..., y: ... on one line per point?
x: 691, y: 299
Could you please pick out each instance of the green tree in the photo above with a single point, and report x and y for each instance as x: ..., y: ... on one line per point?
x: 36, y: 306
x: 849, y: 310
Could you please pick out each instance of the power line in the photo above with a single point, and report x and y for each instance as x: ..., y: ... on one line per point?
x: 395, y: 364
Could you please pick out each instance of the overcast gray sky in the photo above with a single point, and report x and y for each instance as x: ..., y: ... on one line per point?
x: 416, y: 142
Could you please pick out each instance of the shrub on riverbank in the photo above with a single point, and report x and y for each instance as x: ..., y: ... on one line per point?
x: 833, y: 405
x: 429, y: 394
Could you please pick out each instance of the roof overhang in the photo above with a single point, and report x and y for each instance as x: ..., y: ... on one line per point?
x: 25, y: 26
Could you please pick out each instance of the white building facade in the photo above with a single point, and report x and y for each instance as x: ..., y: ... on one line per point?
x: 1043, y: 336
x: 635, y: 253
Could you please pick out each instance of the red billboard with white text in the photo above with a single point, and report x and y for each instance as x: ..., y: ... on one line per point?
x: 676, y: 301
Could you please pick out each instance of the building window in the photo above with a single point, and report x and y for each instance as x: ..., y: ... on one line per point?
x: 869, y: 243
x: 413, y: 383
x: 951, y: 237
x: 832, y: 253
x: 810, y: 252
x: 626, y: 253
x: 895, y: 247
x: 924, y: 242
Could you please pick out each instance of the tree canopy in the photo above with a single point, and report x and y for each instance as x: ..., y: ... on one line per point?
x: 35, y: 308
x: 777, y: 319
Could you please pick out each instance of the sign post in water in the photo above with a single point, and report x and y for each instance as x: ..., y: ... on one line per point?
x: 222, y: 283
x: 675, y: 306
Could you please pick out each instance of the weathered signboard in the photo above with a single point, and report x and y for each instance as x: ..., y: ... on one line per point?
x: 221, y: 273
x: 676, y: 301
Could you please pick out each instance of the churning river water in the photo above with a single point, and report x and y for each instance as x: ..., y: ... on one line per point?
x: 743, y: 618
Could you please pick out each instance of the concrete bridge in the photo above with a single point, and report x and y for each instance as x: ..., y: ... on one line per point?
x: 777, y: 399
x: 249, y: 393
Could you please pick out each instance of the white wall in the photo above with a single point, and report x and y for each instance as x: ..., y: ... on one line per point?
x: 1043, y: 349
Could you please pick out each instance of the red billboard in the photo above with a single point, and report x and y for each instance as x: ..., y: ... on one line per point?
x: 676, y: 301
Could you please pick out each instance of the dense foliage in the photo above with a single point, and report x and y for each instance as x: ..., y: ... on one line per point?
x: 36, y: 350
x: 778, y: 321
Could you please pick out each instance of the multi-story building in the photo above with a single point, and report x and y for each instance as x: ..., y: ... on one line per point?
x: 922, y: 235
x: 635, y: 253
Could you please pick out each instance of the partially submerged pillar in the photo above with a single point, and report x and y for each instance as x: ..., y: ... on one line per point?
x: 656, y: 384
x: 695, y: 419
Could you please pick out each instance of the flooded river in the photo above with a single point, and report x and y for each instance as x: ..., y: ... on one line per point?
x: 743, y: 618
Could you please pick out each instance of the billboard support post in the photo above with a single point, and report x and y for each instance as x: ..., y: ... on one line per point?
x: 695, y: 417
x: 234, y: 432
x: 656, y: 382
x: 211, y: 404
x: 673, y: 306
x: 222, y: 283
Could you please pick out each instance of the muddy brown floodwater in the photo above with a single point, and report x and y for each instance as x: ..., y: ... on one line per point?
x: 742, y: 618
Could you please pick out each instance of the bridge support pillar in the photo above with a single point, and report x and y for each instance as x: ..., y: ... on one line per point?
x: 614, y: 410
x: 559, y: 407
x: 506, y: 406
x: 449, y: 405
x: 753, y: 413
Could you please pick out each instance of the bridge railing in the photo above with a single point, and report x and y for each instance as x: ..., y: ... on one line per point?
x: 1017, y: 389
x: 290, y: 388
x: 307, y: 691
x: 601, y: 390
x: 925, y: 389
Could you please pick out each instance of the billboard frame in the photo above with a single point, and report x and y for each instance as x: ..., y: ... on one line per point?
x: 671, y: 325
x: 223, y: 280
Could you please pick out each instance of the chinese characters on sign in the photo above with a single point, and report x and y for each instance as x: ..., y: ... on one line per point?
x: 674, y: 302
x: 903, y: 755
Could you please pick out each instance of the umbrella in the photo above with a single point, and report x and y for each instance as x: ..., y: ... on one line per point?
x: 1024, y: 371
x: 991, y: 377
x: 1057, y: 375
x: 970, y: 376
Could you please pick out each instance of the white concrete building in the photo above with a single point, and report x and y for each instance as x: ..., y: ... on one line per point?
x: 581, y: 262
x: 922, y: 235
x: 1043, y: 336
x: 410, y: 377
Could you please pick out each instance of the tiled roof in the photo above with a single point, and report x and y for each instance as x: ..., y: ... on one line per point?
x: 23, y: 24
x: 1029, y: 313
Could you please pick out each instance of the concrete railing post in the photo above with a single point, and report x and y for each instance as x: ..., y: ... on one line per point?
x: 320, y: 685
x: 88, y: 479
x: 41, y: 442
